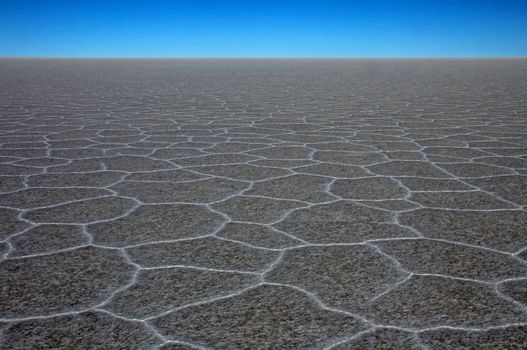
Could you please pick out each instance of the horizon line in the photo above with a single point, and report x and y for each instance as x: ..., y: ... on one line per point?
x: 264, y: 57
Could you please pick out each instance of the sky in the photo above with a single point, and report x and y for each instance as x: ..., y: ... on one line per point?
x: 266, y: 28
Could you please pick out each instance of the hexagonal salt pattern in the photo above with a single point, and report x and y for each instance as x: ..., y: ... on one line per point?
x: 263, y: 204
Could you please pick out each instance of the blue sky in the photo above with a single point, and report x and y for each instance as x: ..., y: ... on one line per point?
x: 267, y: 28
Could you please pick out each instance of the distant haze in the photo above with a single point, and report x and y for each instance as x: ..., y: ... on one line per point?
x: 266, y: 28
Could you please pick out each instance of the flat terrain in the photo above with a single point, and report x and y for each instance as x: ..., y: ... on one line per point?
x: 251, y: 204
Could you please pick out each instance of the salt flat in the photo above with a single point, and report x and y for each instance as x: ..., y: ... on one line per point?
x: 263, y: 204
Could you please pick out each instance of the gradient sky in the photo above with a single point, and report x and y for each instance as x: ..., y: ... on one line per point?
x: 267, y: 28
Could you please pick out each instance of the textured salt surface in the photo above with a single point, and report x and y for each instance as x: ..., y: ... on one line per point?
x: 288, y: 204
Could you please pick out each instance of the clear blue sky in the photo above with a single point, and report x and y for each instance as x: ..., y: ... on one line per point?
x: 266, y: 28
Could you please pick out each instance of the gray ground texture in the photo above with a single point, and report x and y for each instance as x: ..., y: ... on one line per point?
x: 251, y: 204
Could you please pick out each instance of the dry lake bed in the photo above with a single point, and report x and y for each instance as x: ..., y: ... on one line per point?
x: 253, y: 204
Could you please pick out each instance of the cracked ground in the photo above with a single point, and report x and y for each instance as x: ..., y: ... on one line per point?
x: 250, y: 204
